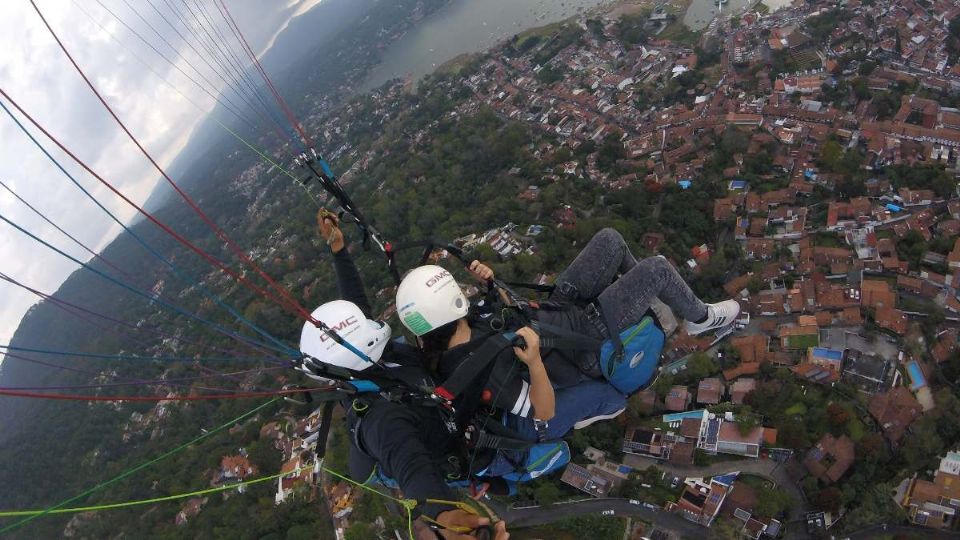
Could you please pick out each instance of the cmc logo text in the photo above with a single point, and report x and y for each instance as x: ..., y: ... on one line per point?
x: 436, y: 278
x: 346, y: 323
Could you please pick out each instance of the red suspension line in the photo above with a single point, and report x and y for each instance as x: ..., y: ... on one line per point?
x: 202, y: 397
x: 65, y: 233
x: 292, y: 303
x: 296, y: 309
x: 273, y: 90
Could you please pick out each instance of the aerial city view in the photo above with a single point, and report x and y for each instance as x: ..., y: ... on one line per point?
x: 456, y: 269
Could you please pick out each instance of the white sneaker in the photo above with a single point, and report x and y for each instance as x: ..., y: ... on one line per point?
x: 587, y: 421
x: 718, y: 315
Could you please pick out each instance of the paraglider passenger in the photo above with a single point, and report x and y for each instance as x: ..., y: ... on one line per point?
x: 605, y: 277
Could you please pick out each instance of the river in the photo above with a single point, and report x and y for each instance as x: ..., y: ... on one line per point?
x: 466, y: 26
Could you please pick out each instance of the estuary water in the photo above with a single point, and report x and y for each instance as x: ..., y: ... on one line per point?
x: 466, y: 26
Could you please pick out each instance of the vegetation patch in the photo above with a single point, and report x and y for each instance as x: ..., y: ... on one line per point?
x: 803, y: 342
x: 797, y: 409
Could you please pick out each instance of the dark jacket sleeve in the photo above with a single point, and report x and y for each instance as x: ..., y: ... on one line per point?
x: 508, y: 388
x: 398, y: 440
x: 349, y: 281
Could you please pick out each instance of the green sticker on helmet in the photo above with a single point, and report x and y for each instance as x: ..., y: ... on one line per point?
x: 417, y: 324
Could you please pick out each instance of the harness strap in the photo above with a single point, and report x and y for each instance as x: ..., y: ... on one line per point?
x: 532, y: 286
x: 562, y: 338
x: 493, y: 434
x: 613, y: 331
x: 472, y: 366
x: 487, y: 440
x: 325, y: 418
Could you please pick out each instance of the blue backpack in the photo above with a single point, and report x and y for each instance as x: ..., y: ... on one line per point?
x: 539, y: 460
x: 631, y: 364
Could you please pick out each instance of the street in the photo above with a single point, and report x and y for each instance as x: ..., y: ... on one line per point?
x: 540, y: 515
x: 766, y: 468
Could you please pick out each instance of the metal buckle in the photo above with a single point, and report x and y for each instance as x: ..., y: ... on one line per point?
x: 568, y: 290
x: 595, y: 317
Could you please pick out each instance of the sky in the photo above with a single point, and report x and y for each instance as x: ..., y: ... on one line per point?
x: 35, y: 73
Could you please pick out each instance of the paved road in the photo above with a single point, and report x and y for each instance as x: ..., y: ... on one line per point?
x: 911, y: 532
x: 541, y: 515
x: 767, y: 468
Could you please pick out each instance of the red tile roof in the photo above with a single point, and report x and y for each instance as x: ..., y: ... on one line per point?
x: 710, y: 391
x: 830, y: 458
x: 894, y: 411
x: 678, y: 399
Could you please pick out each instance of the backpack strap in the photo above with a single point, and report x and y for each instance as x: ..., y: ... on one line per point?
x: 613, y: 334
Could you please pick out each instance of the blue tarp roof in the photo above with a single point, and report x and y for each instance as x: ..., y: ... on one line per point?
x: 726, y: 479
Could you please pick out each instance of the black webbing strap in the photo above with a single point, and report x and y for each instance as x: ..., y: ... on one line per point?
x: 471, y: 367
x: 495, y: 435
x: 613, y: 332
x: 532, y: 286
x: 380, y: 375
x: 556, y: 337
x: 490, y: 441
x: 325, y: 418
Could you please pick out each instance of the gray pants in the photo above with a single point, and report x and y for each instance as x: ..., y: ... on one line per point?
x: 593, y: 275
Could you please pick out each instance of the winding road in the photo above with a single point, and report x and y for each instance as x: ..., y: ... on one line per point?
x: 541, y: 515
x: 767, y: 468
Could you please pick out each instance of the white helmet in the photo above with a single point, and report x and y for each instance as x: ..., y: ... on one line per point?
x: 349, y: 322
x: 429, y: 297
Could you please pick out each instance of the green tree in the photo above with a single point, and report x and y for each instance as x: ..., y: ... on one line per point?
x: 610, y: 151
x: 837, y: 415
x: 912, y: 247
x: 700, y: 366
x: 547, y: 493
x: 734, y: 141
x: 831, y: 155
x: 828, y: 499
x: 771, y: 502
x: 356, y: 531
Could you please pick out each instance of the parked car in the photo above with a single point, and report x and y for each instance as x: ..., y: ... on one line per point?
x: 606, y: 513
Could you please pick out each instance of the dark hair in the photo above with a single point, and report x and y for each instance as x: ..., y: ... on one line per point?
x: 436, y: 342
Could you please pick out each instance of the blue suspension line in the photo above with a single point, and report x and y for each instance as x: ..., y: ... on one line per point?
x: 280, y: 345
x: 123, y: 285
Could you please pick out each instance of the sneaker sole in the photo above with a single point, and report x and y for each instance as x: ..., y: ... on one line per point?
x: 593, y: 419
x: 691, y: 332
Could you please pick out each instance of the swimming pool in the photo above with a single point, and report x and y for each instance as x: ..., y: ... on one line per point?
x: 917, y: 379
x: 829, y: 354
x: 678, y: 417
